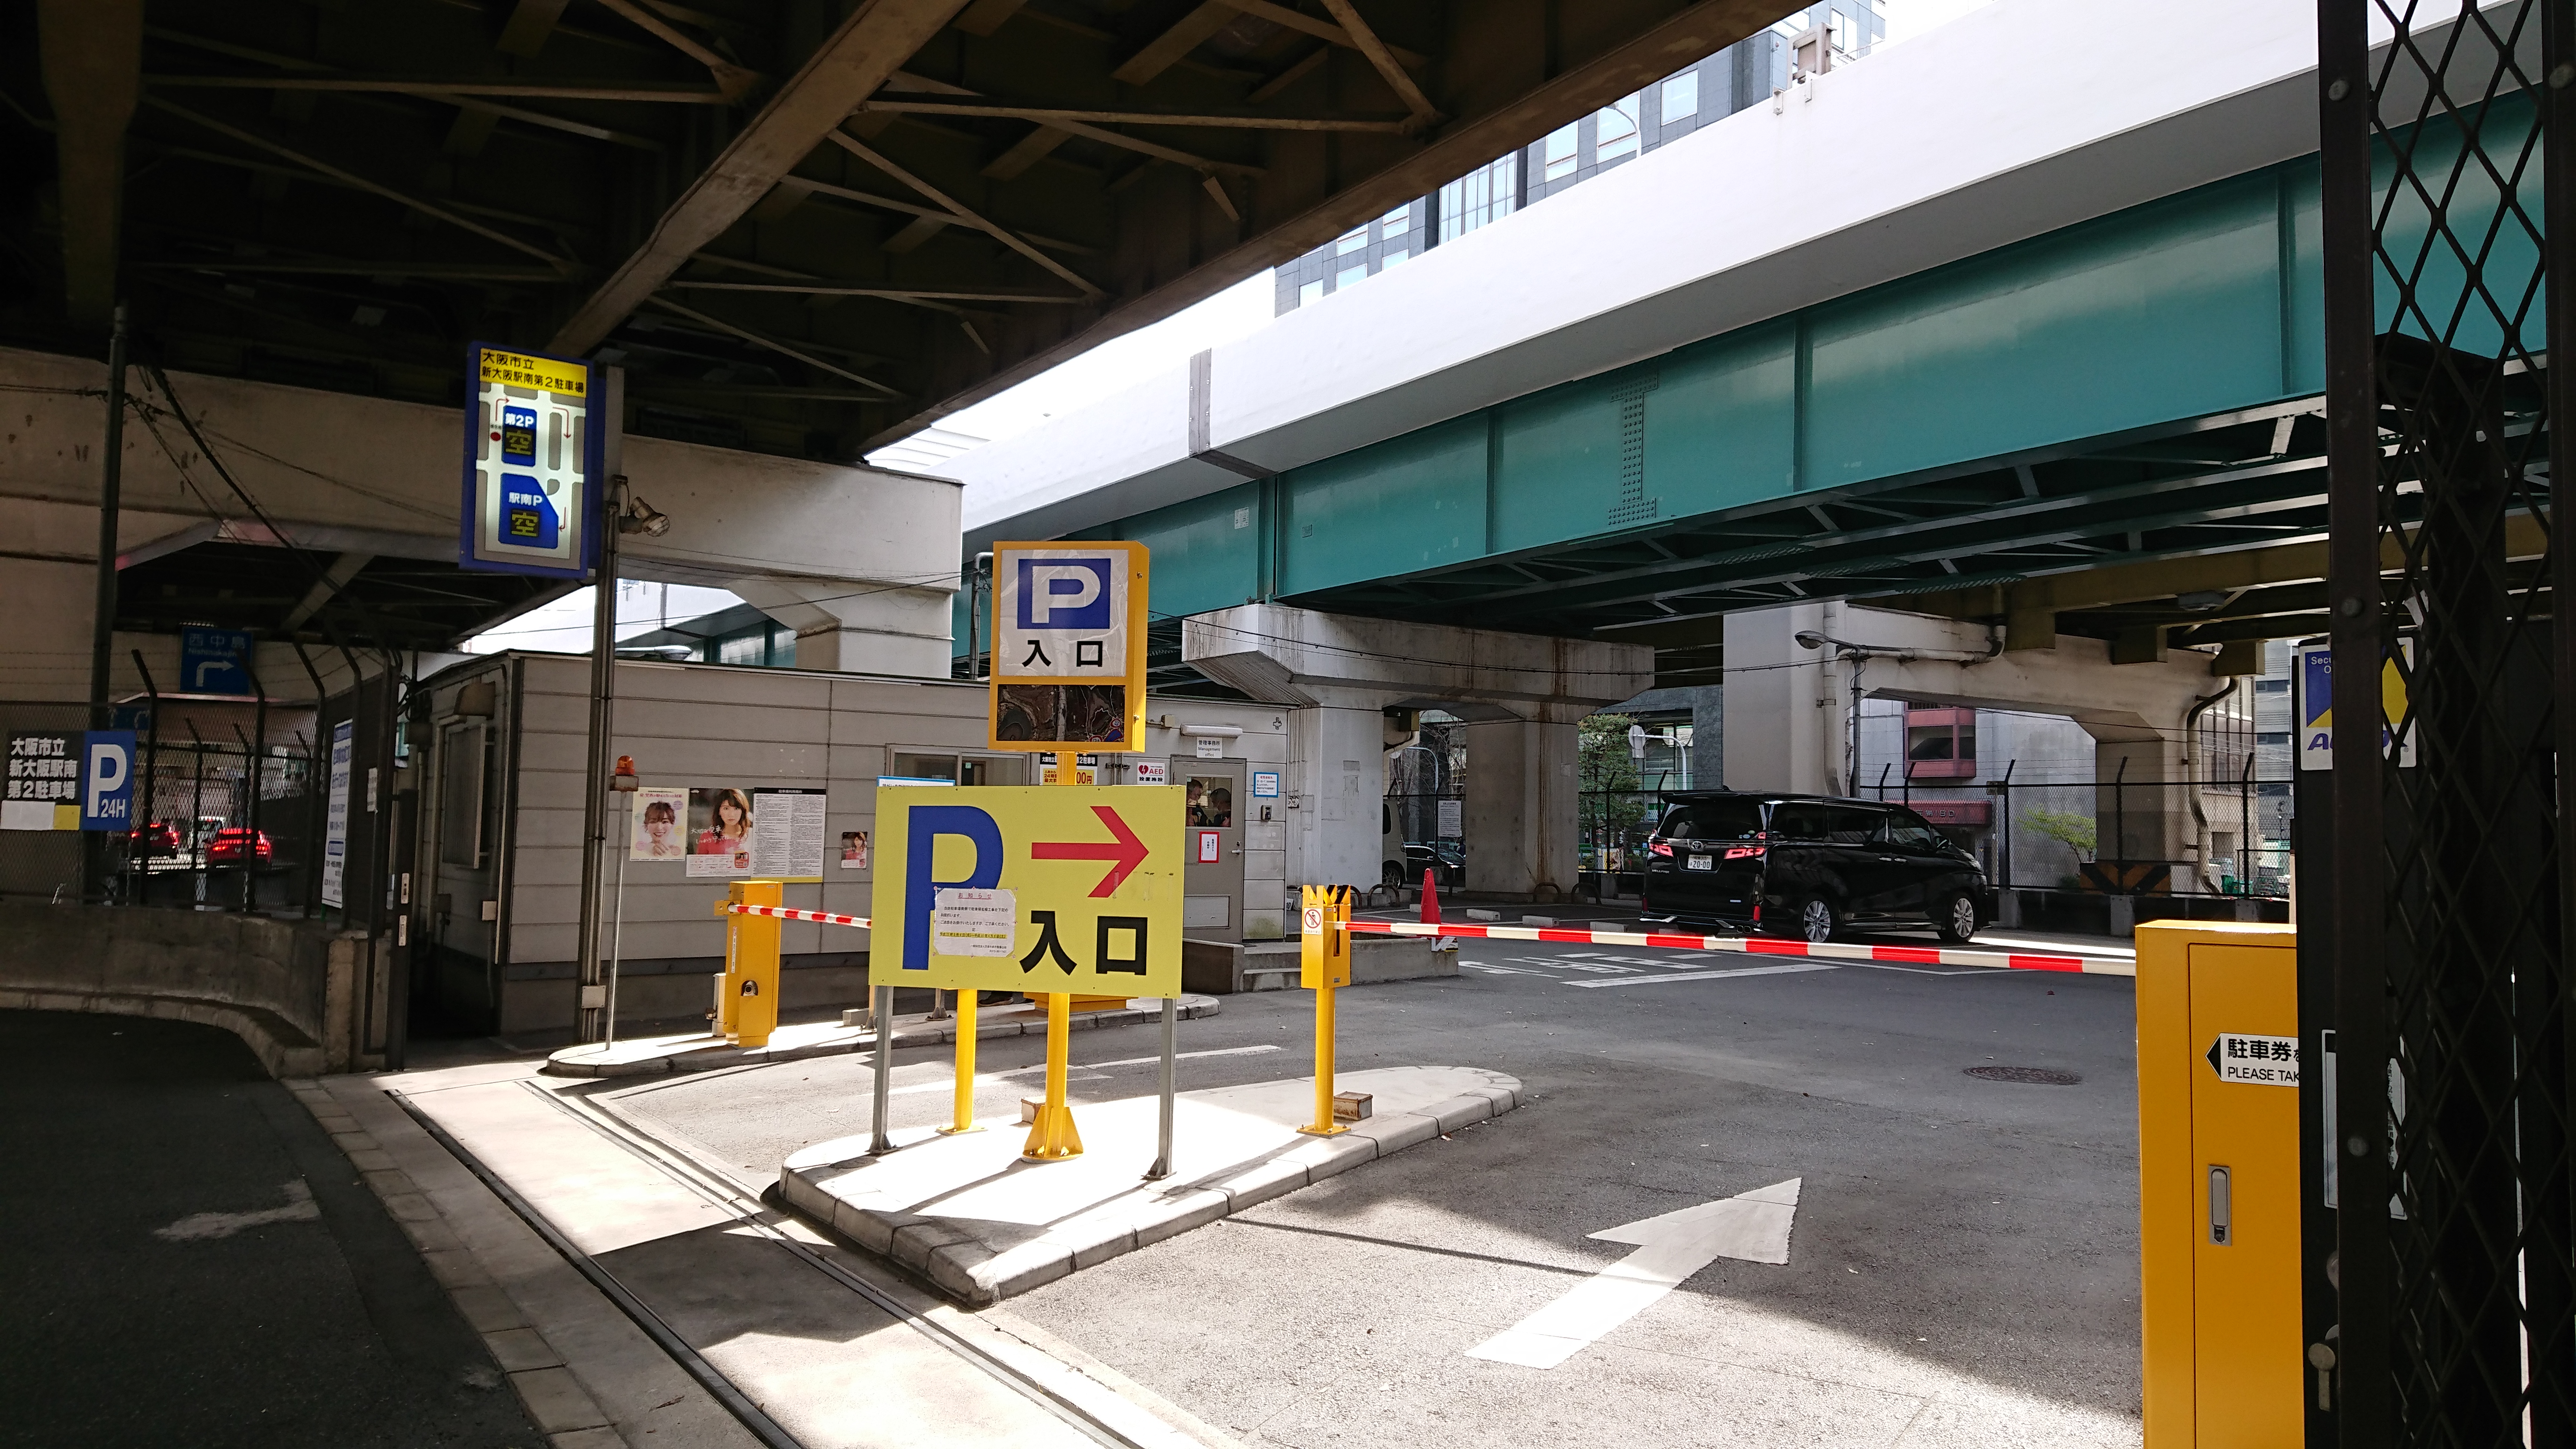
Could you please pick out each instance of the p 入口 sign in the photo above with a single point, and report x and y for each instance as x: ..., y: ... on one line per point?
x: 1068, y: 645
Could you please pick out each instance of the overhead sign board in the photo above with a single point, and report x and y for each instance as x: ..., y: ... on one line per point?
x: 1028, y: 888
x: 532, y: 452
x: 69, y: 780
x: 1068, y: 646
x: 211, y: 661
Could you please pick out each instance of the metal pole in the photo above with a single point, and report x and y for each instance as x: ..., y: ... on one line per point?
x: 151, y: 764
x: 196, y: 814
x: 258, y: 747
x: 962, y: 1113
x: 607, y: 509
x: 617, y: 931
x: 102, y: 634
x: 881, y: 1016
x: 1162, y: 1167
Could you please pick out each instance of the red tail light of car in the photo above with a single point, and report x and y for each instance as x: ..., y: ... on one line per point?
x: 1662, y: 848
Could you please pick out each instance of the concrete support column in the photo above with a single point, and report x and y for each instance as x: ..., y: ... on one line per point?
x: 1337, y: 765
x: 2146, y: 819
x: 857, y: 626
x: 1790, y: 706
x: 1522, y: 785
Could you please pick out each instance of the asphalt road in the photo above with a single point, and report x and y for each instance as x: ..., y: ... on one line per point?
x: 185, y: 1258
x: 1963, y: 1266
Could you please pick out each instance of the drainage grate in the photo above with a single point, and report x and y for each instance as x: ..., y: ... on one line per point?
x: 2031, y: 1076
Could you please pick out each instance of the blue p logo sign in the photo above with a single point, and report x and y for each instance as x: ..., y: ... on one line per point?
x: 923, y: 825
x: 1065, y: 593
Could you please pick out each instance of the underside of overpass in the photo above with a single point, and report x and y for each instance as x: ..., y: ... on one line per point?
x: 800, y: 226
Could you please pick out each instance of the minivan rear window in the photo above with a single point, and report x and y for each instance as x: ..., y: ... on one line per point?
x: 1715, y: 820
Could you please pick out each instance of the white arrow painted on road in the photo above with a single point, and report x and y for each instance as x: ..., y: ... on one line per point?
x: 1753, y: 1226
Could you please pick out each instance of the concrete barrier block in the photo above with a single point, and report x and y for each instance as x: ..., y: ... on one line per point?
x: 1484, y: 915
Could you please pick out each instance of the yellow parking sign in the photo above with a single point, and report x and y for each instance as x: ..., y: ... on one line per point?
x: 1045, y: 889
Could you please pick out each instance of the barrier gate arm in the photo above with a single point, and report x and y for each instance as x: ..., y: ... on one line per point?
x: 1763, y: 946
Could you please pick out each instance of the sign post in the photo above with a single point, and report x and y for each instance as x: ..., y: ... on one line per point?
x: 1044, y: 889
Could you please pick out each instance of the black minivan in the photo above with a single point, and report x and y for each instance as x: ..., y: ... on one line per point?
x: 1807, y: 865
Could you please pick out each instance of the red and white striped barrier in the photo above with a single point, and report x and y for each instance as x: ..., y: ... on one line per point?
x: 1766, y: 946
x: 790, y: 913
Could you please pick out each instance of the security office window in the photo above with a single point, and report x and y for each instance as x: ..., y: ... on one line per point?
x: 1615, y: 128
x: 1558, y: 158
x: 1681, y: 97
x: 965, y: 769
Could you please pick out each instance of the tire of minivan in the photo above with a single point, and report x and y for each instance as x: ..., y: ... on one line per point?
x: 1955, y: 919
x: 1817, y: 920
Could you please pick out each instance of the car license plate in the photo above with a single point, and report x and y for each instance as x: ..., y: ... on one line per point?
x: 1703, y: 862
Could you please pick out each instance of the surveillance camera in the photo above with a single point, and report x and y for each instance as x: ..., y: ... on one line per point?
x: 1810, y: 639
x: 642, y: 517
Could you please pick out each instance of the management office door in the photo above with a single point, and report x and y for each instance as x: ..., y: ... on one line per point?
x: 1212, y: 846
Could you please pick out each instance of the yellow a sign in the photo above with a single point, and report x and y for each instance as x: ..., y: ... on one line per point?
x: 1047, y: 889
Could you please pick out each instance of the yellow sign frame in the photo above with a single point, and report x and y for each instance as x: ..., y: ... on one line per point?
x: 1006, y: 680
x: 1084, y: 874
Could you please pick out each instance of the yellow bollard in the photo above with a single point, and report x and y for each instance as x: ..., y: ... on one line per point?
x: 964, y: 1120
x: 1324, y: 962
x: 747, y: 993
x: 1054, y: 1138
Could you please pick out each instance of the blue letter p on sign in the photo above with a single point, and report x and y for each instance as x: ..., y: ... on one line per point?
x: 107, y: 780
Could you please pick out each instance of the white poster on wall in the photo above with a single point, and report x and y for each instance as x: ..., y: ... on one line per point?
x: 335, y: 818
x: 787, y: 838
x: 657, y: 831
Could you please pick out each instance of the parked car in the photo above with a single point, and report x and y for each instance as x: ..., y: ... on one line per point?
x: 238, y: 845
x: 1808, y: 865
x: 153, y: 841
x: 1440, y: 856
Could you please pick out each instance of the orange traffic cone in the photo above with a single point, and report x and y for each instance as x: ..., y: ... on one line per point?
x: 1430, y: 899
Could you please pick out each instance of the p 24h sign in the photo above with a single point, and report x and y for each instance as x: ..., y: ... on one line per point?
x: 1037, y: 888
x: 74, y: 780
x: 1069, y: 646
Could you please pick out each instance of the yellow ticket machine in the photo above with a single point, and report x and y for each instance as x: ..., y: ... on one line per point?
x: 2219, y: 1185
x: 747, y: 992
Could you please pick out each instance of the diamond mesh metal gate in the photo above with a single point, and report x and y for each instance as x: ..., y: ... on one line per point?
x: 2448, y: 965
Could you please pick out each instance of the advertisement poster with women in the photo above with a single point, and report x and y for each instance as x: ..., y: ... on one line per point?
x: 723, y: 832
x: 657, y: 829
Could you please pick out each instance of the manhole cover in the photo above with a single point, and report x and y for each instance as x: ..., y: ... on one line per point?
x: 2031, y: 1076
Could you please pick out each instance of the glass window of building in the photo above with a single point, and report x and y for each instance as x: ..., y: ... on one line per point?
x: 1395, y: 223
x: 1615, y: 129
x: 1351, y: 241
x: 1482, y: 195
x: 1350, y: 277
x: 1681, y: 97
x: 743, y: 649
x: 1310, y: 292
x: 1392, y: 259
x: 1559, y: 159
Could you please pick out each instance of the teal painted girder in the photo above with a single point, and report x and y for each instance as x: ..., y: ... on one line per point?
x: 2132, y: 385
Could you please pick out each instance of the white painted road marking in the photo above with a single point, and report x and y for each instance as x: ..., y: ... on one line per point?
x: 1711, y: 975
x: 1753, y: 1226
x: 199, y: 1227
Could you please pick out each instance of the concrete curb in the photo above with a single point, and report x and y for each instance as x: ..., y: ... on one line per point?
x: 280, y: 1046
x: 847, y: 1040
x: 974, y: 1275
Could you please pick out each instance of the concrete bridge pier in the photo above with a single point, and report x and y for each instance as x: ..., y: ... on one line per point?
x: 1340, y: 676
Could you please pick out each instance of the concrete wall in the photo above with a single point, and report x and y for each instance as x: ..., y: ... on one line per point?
x: 344, y: 473
x: 294, y: 991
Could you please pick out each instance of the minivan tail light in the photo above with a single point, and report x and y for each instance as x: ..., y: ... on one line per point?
x: 1744, y: 852
x: 1663, y: 848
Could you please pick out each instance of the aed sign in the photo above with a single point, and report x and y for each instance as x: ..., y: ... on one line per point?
x: 2312, y: 670
x: 1033, y: 888
x: 1069, y: 645
x: 2261, y: 1061
x: 72, y: 780
x: 531, y: 462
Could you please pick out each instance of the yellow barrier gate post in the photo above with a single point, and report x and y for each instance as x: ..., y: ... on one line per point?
x: 1324, y: 962
x: 1053, y: 1138
x: 747, y: 992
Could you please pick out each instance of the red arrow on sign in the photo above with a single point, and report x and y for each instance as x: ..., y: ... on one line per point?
x: 1124, y: 854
